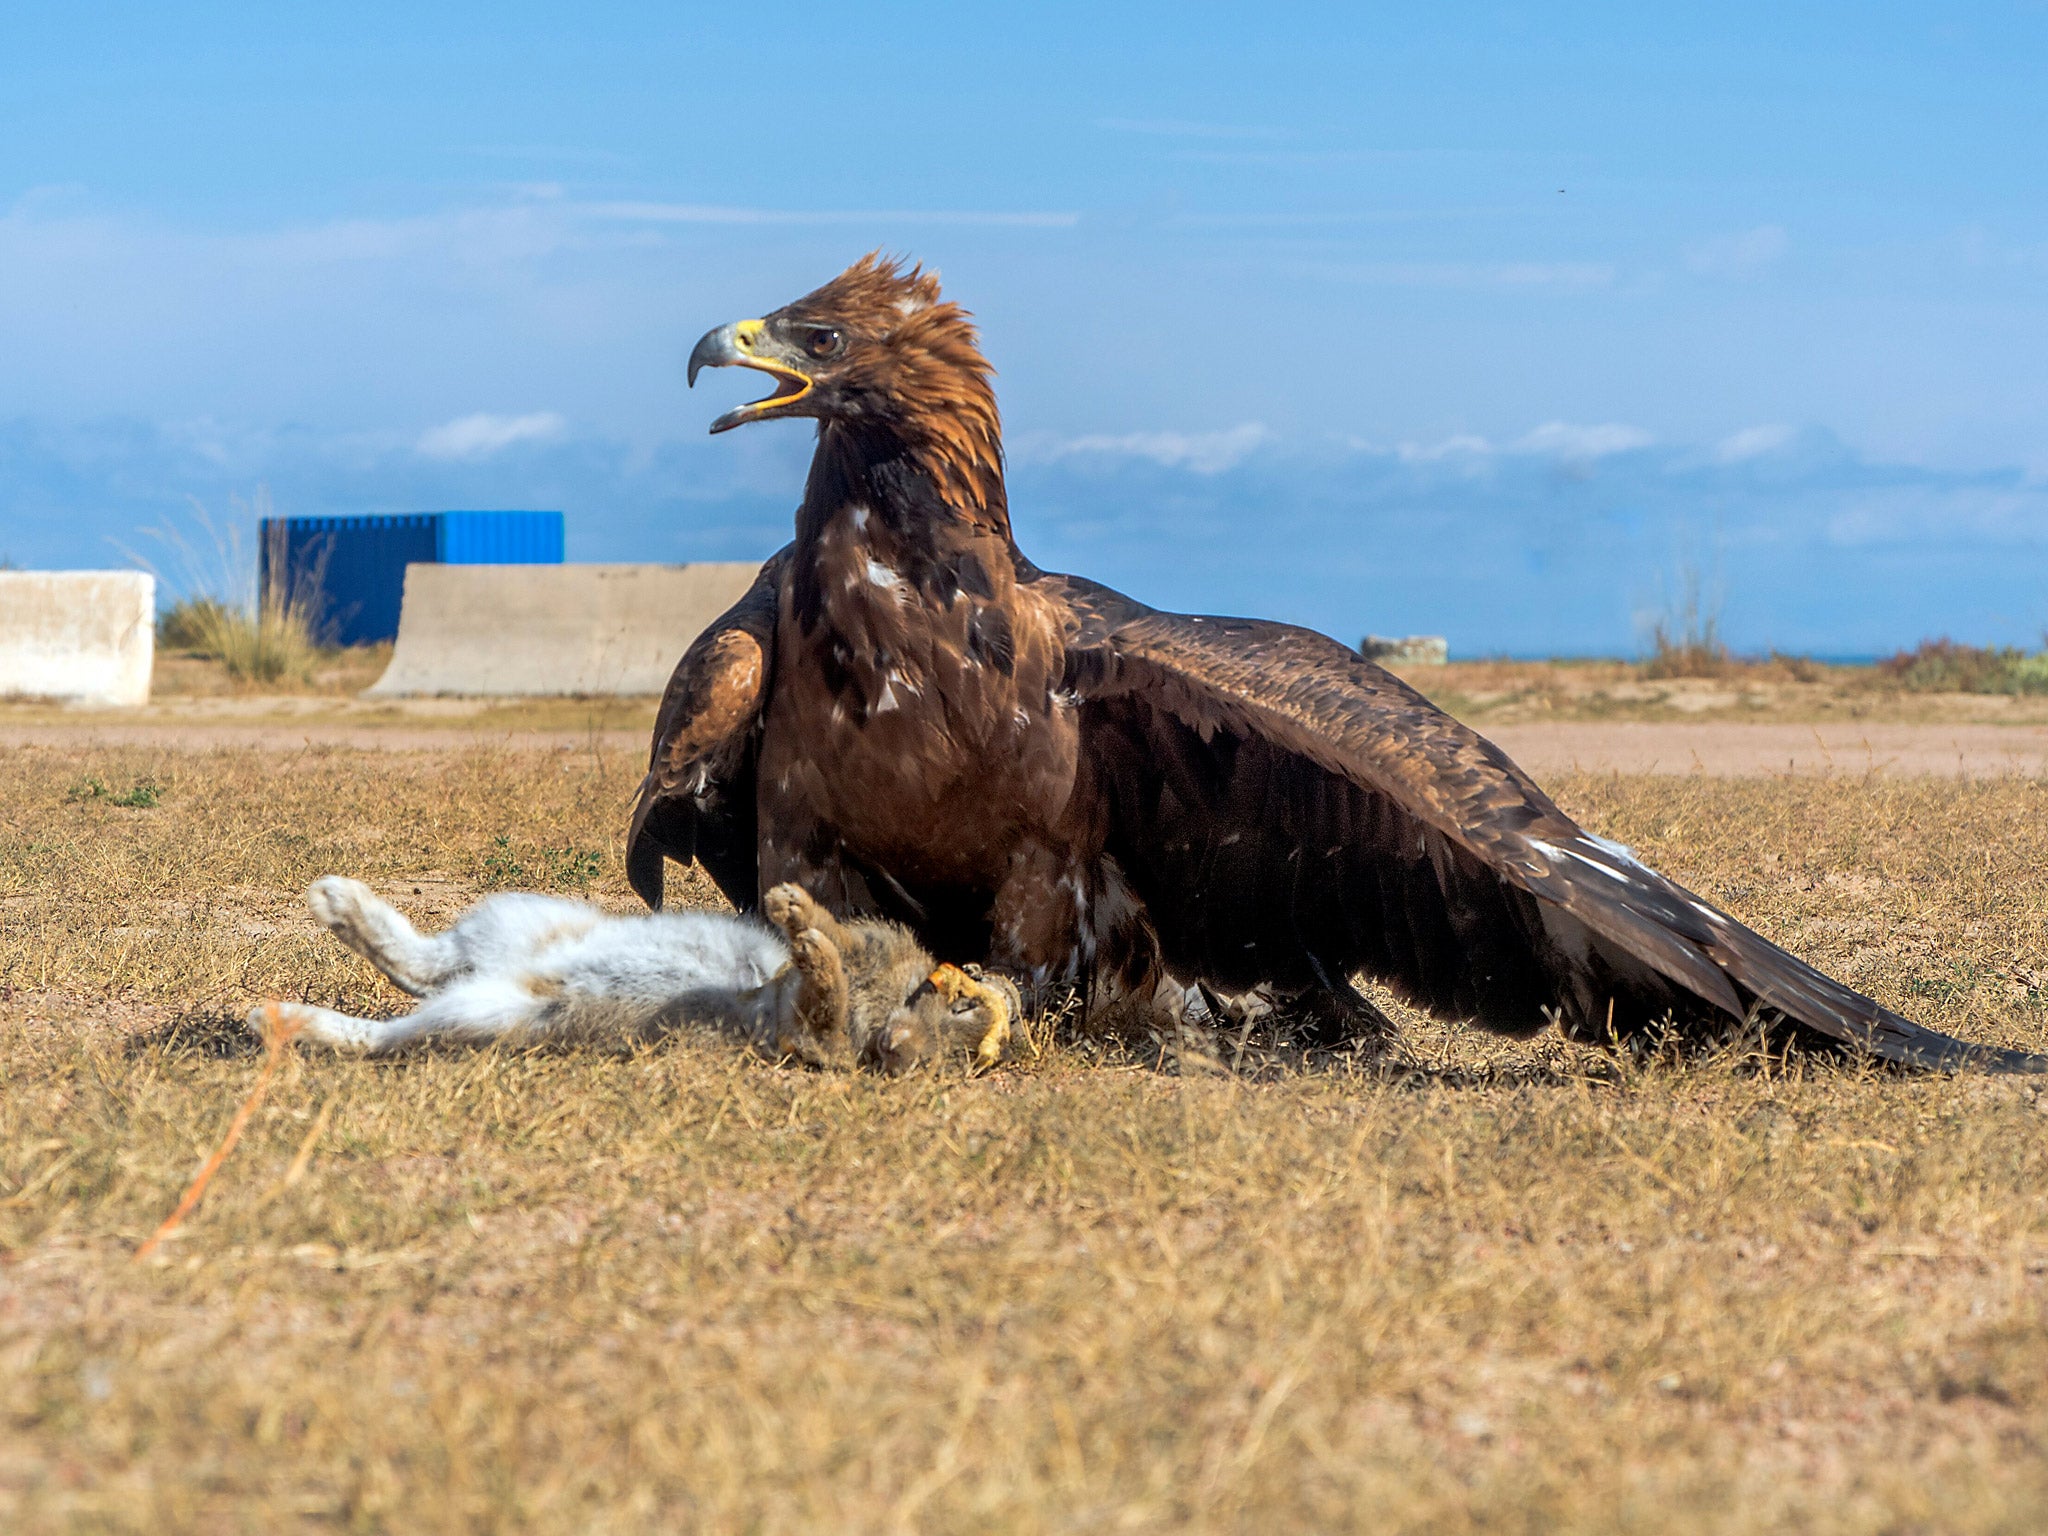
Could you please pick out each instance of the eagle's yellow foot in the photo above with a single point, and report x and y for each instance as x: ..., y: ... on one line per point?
x: 986, y: 1013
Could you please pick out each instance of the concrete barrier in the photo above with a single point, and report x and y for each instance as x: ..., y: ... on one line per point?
x: 1405, y: 650
x: 538, y: 630
x: 85, y: 637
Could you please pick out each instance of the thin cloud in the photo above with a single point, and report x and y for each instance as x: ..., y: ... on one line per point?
x: 1460, y: 445
x: 1564, y: 440
x: 717, y: 213
x: 481, y: 435
x: 1752, y: 443
x: 1183, y: 128
x: 1203, y: 453
x: 1741, y: 254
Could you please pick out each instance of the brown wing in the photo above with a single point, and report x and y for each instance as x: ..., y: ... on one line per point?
x: 1292, y: 813
x: 697, y: 800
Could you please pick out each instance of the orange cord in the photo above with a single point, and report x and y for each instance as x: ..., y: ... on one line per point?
x: 277, y: 1034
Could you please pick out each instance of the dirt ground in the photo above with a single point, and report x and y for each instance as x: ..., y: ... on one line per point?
x: 1545, y: 749
x: 1596, y: 717
x: 1474, y: 1286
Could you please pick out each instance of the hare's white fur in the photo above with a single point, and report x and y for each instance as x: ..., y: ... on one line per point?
x: 529, y: 965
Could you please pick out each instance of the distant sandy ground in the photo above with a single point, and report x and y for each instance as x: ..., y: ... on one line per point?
x: 1733, y: 750
x: 1722, y: 749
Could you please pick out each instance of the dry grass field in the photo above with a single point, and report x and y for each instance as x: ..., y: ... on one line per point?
x: 1470, y: 1287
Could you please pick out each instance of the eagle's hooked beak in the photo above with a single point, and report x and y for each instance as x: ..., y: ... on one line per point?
x: 750, y: 344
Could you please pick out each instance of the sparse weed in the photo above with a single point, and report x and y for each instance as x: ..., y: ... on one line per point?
x: 503, y: 867
x: 91, y: 787
x: 142, y: 795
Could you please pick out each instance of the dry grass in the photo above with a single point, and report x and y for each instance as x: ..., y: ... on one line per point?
x: 1765, y: 689
x: 1491, y: 1288
x: 184, y: 676
x: 269, y: 642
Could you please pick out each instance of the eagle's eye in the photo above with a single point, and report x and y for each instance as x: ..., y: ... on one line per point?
x: 823, y: 342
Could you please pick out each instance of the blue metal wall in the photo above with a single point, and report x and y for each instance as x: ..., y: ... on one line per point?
x: 498, y: 538
x: 359, y: 562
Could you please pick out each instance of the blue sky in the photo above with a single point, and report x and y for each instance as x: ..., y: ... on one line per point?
x: 1480, y: 320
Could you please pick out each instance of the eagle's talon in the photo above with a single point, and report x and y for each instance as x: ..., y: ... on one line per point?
x: 995, y: 1043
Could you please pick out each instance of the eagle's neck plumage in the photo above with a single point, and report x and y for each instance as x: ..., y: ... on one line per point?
x: 881, y: 505
x: 919, y: 486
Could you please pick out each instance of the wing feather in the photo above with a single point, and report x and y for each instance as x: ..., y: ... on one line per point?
x: 1283, y: 804
x: 697, y: 799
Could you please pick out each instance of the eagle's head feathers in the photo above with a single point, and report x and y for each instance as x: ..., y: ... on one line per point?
x: 877, y: 347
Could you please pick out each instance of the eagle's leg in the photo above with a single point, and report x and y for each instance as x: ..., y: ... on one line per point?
x: 1039, y: 931
x: 1059, y: 922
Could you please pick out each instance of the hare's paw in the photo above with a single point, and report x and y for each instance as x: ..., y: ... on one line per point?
x: 301, y: 1021
x: 338, y: 903
x: 817, y: 958
x: 791, y: 908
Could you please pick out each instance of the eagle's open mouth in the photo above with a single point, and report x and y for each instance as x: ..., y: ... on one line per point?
x: 789, y: 386
x: 745, y: 345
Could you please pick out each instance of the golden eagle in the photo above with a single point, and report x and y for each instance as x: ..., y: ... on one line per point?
x: 909, y: 718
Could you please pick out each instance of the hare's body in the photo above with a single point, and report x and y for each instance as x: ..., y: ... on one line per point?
x: 539, y: 967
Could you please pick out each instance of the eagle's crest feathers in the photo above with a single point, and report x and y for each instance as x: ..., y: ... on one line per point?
x: 914, y: 361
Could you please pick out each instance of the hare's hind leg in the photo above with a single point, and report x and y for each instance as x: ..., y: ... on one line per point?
x: 479, y: 1008
x: 810, y: 1021
x: 343, y: 1031
x: 379, y: 932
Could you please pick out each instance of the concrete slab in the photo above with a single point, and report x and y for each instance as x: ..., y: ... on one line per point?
x: 550, y: 630
x: 85, y: 637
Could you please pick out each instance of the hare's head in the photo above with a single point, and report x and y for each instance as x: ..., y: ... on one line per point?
x: 951, y: 1008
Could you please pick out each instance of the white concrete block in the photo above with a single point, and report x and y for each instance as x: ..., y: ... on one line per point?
x: 541, y: 630
x: 85, y: 637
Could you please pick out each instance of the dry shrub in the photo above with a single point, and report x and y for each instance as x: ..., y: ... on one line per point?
x: 1686, y: 640
x: 189, y: 624
x: 1485, y: 1287
x: 1798, y: 669
x: 262, y: 631
x: 1946, y: 666
x: 272, y: 642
